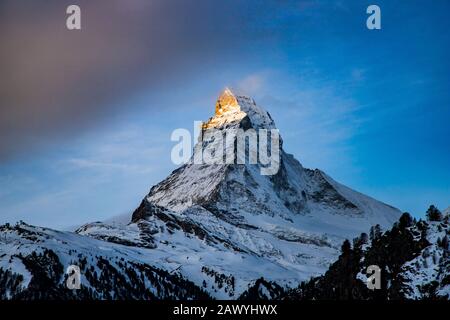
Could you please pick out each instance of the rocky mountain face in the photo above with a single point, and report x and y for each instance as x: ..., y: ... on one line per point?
x: 222, y: 226
x: 238, y: 192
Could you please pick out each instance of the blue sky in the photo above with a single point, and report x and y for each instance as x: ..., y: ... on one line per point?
x: 370, y: 108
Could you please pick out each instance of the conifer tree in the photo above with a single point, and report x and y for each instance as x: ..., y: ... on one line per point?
x: 433, y: 214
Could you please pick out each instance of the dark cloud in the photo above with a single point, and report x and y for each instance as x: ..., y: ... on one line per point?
x: 54, y: 82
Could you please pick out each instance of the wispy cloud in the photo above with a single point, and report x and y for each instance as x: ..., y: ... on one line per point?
x: 253, y: 83
x: 102, y: 175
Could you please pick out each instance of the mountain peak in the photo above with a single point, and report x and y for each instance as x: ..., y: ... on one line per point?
x: 231, y: 108
x: 227, y: 102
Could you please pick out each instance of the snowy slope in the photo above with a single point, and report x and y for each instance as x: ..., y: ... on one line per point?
x: 33, y: 261
x: 446, y: 211
x: 430, y: 271
x: 413, y: 258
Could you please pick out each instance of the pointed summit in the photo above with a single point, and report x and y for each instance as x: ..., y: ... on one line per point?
x: 226, y: 102
x: 232, y: 108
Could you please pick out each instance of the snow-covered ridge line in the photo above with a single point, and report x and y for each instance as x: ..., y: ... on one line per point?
x: 33, y: 261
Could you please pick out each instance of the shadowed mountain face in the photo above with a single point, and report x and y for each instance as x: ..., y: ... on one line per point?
x: 222, y: 226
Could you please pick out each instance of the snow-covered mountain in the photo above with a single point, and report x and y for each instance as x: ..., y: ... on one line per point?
x: 222, y: 226
x: 34, y: 260
x: 232, y: 220
x: 239, y: 193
